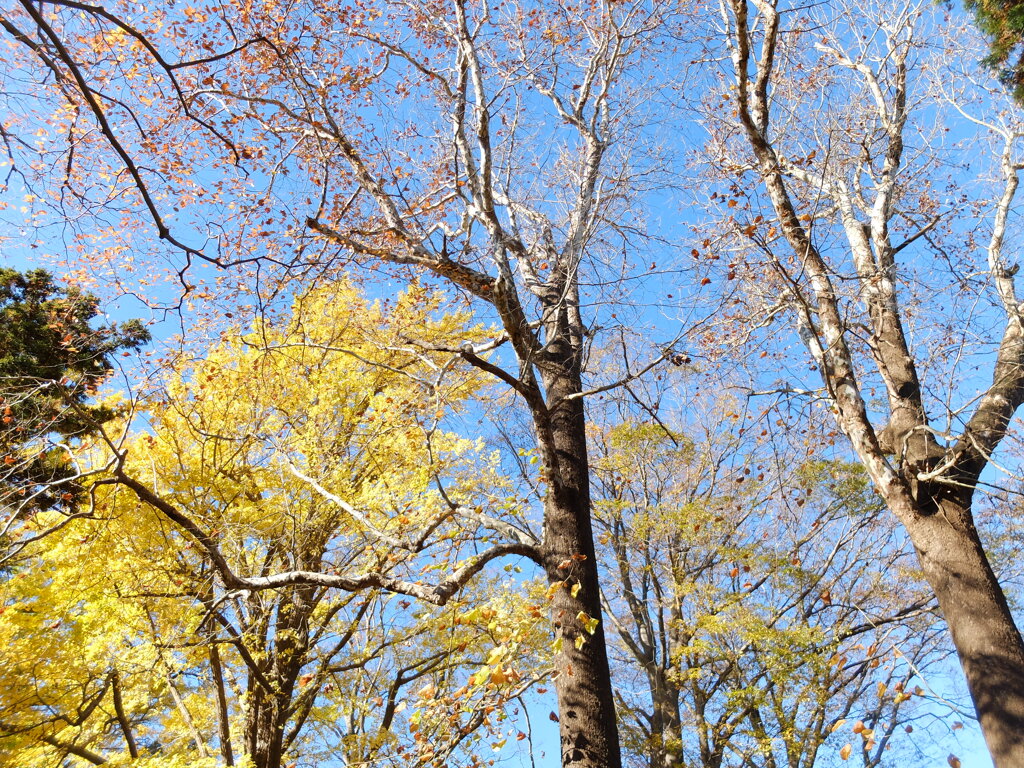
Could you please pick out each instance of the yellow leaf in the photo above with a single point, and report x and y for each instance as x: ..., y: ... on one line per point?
x: 846, y: 751
x: 481, y: 676
x: 589, y: 624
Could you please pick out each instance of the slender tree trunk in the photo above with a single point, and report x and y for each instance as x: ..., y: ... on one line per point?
x: 223, y: 721
x: 122, y: 718
x: 587, y: 723
x: 986, y: 638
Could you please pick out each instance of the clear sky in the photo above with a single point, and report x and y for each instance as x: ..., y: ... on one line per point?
x: 671, y: 218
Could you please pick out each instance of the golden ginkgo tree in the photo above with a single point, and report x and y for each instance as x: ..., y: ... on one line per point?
x: 312, y: 453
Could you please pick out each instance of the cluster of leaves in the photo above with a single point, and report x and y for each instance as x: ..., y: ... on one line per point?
x: 315, y: 445
x: 1002, y: 21
x: 52, y: 360
x: 751, y: 639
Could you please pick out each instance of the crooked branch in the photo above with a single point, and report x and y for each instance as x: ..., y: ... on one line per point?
x: 436, y: 594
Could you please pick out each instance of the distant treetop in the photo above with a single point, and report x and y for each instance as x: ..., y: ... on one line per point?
x: 52, y: 359
x: 1002, y: 21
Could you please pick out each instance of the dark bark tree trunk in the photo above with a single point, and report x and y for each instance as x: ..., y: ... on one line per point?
x: 666, y: 727
x: 586, y: 708
x: 268, y: 712
x: 984, y: 634
x: 263, y: 734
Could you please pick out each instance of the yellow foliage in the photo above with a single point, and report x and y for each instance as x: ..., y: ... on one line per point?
x: 309, y: 444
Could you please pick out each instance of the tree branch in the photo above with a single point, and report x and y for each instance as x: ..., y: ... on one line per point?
x: 437, y: 594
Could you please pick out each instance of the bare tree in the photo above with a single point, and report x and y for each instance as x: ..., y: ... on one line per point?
x: 897, y: 284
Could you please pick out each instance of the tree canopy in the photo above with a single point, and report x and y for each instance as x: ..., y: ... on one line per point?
x: 662, y: 358
x: 1002, y: 21
x: 52, y: 361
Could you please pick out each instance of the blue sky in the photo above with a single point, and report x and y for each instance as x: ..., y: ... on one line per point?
x: 663, y: 300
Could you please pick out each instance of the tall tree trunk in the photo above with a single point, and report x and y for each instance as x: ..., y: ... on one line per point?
x: 263, y: 731
x: 266, y: 718
x: 937, y: 511
x: 223, y: 719
x: 986, y: 638
x: 269, y: 711
x: 666, y: 728
x: 587, y: 723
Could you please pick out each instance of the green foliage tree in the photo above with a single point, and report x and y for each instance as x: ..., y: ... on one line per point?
x: 766, y: 618
x: 1002, y: 21
x: 53, y: 357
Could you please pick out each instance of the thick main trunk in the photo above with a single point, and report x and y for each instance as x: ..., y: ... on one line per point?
x: 666, y: 727
x: 268, y: 712
x: 586, y: 707
x: 264, y: 729
x: 984, y: 634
